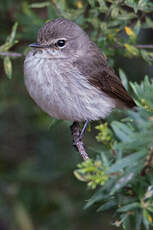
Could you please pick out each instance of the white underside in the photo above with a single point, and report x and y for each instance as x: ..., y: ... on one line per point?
x: 64, y: 94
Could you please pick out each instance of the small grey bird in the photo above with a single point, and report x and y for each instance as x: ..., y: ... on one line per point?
x: 67, y: 75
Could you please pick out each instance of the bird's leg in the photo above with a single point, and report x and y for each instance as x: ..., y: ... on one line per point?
x: 77, y: 140
x: 83, y: 129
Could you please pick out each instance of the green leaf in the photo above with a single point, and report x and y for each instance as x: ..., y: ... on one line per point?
x: 122, y: 131
x: 124, y: 79
x: 144, y: 93
x: 124, y: 16
x: 104, y: 159
x: 138, y: 220
x: 39, y: 4
x: 79, y: 175
x: 147, y: 56
x: 148, y: 23
x: 131, y: 50
x: 137, y: 28
x: 92, y: 3
x: 107, y: 205
x: 122, y: 182
x: 8, y: 67
x: 132, y: 4
x: 129, y: 207
x: 10, y: 41
x: 115, y: 12
x: 103, y: 7
x: 126, y: 161
x: 11, y: 37
x: 97, y: 196
x: 146, y: 216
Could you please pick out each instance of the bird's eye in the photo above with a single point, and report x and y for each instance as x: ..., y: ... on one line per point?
x: 61, y: 43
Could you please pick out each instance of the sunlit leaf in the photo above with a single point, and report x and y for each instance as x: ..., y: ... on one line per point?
x: 123, y: 79
x: 10, y: 41
x: 131, y: 49
x: 8, y: 67
x: 39, y: 4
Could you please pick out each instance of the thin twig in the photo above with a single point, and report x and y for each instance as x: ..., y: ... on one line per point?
x: 77, y: 142
x: 144, y: 46
x: 11, y: 54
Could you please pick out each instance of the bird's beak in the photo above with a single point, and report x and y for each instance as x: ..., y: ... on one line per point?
x: 35, y: 45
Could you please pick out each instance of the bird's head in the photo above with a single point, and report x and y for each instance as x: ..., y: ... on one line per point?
x: 60, y: 38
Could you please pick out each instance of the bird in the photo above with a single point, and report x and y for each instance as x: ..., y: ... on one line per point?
x: 68, y: 77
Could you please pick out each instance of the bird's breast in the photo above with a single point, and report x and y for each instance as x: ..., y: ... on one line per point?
x: 63, y: 92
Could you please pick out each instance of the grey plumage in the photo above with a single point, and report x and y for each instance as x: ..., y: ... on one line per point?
x: 72, y: 82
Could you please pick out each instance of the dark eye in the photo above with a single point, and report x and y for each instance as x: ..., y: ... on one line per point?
x: 61, y: 43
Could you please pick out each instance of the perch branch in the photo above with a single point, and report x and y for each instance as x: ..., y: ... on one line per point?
x: 144, y: 46
x: 77, y: 142
x: 10, y: 54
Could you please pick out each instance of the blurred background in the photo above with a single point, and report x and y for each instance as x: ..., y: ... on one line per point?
x: 38, y: 190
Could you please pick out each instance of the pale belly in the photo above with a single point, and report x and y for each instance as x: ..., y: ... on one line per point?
x: 66, y: 94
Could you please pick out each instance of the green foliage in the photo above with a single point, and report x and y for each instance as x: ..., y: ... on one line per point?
x: 104, y: 135
x: 92, y: 172
x: 144, y: 96
x: 8, y: 67
x: 10, y: 40
x: 9, y: 43
x: 128, y: 188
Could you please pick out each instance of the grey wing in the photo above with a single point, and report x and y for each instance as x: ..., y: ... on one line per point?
x: 103, y: 77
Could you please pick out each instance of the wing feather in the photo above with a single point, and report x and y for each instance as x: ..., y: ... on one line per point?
x: 99, y: 74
